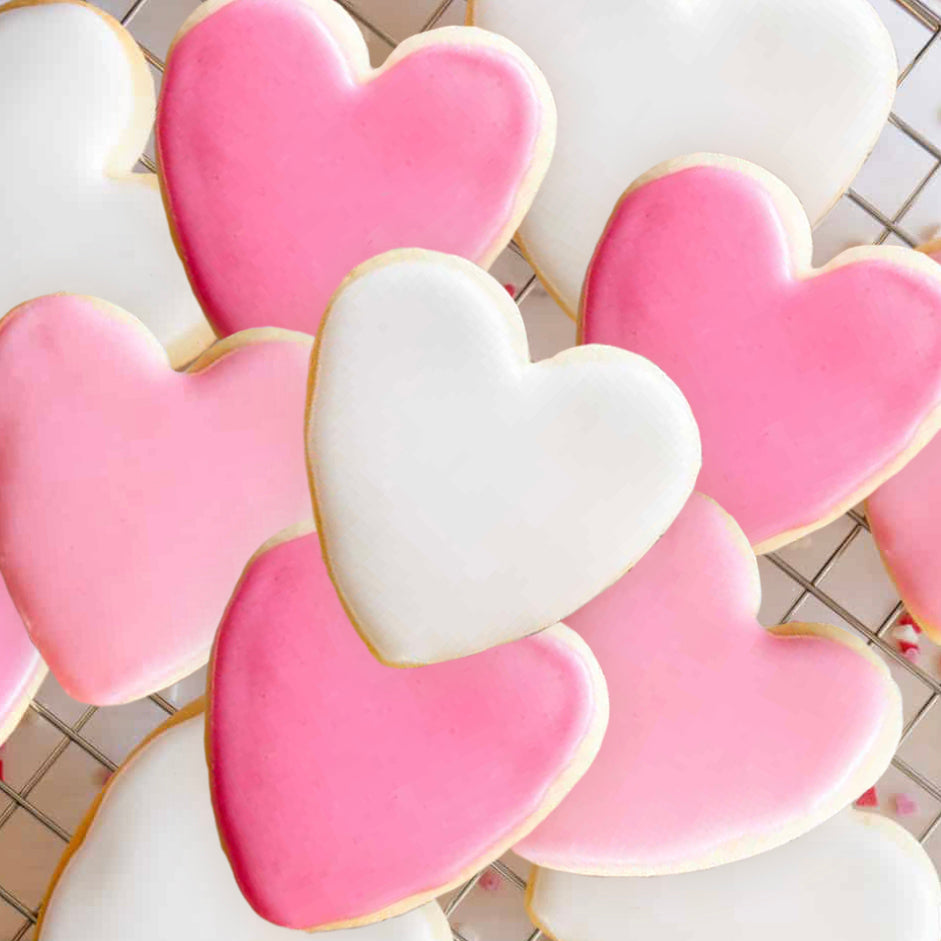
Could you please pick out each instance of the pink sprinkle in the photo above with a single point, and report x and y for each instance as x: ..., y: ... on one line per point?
x: 510, y: 289
x: 905, y: 806
x: 490, y: 881
x: 910, y: 653
x: 869, y: 799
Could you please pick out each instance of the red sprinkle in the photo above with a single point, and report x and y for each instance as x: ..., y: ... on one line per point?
x: 490, y: 881
x: 869, y: 799
x: 906, y: 618
x: 510, y: 289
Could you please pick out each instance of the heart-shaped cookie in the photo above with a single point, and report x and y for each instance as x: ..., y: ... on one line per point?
x: 345, y: 791
x: 286, y: 160
x: 21, y: 668
x: 640, y: 82
x: 76, y: 112
x: 905, y: 517
x: 725, y: 739
x: 146, y: 865
x: 810, y: 386
x: 859, y: 877
x: 131, y: 495
x: 466, y: 496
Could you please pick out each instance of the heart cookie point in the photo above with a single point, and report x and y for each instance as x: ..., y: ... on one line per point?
x: 163, y: 483
x: 739, y: 738
x: 309, y: 162
x: 465, y: 496
x: 356, y: 812
x: 727, y: 304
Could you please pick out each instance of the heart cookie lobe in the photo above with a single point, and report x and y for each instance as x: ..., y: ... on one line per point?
x: 466, y: 496
x: 808, y: 888
x: 286, y: 160
x: 725, y: 739
x: 641, y: 82
x: 132, y: 494
x: 73, y: 214
x: 773, y: 355
x: 346, y: 791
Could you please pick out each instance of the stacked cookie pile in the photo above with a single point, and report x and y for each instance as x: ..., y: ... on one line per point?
x: 416, y: 561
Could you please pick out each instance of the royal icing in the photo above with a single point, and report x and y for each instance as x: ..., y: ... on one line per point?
x: 21, y: 668
x: 905, y: 517
x: 466, y: 496
x: 131, y: 496
x: 806, y: 391
x: 287, y: 160
x: 147, y: 864
x: 642, y: 82
x: 859, y: 877
x: 76, y: 108
x: 378, y: 789
x: 724, y: 739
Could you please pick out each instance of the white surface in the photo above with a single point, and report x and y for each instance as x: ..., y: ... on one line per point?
x: 151, y: 866
x: 455, y: 481
x: 71, y: 219
x: 801, y: 88
x: 811, y: 889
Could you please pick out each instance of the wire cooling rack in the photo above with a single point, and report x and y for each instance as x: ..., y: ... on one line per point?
x: 63, y: 751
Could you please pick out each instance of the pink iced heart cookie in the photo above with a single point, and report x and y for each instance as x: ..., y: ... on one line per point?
x: 346, y: 791
x: 21, y: 668
x: 905, y: 517
x: 131, y: 495
x: 810, y: 387
x: 725, y: 739
x: 286, y: 160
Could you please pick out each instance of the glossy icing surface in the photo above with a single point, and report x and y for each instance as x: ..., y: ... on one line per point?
x: 486, y: 497
x: 774, y: 358
x: 724, y: 738
x: 151, y: 868
x: 21, y: 667
x: 287, y: 161
x: 642, y: 82
x: 858, y: 877
x: 131, y: 496
x: 72, y: 216
x: 389, y: 785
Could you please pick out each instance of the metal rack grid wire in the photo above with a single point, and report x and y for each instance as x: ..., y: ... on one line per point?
x: 806, y: 586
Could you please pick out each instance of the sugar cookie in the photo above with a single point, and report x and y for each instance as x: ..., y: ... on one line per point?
x: 146, y: 864
x: 467, y: 497
x: 859, y: 877
x: 379, y: 788
x: 132, y: 495
x: 802, y: 88
x: 287, y: 161
x: 725, y: 739
x: 76, y: 107
x: 905, y: 517
x: 777, y: 358
x: 21, y: 668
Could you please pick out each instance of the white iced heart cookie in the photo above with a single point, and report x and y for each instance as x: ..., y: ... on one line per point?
x: 858, y: 877
x: 146, y: 863
x: 802, y: 88
x: 76, y: 107
x: 467, y: 497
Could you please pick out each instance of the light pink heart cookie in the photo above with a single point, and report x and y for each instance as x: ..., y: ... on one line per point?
x: 347, y: 791
x: 725, y: 739
x: 286, y: 160
x: 21, y: 668
x: 810, y: 387
x: 131, y: 495
x: 905, y: 517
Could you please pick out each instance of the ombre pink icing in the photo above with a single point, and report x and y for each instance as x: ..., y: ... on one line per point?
x: 131, y: 496
x: 719, y: 730
x: 805, y: 389
x: 342, y: 786
x: 21, y: 667
x: 284, y: 168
